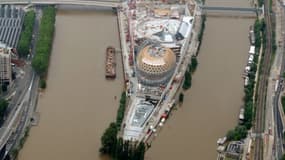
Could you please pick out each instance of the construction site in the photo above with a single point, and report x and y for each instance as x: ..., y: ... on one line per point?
x: 157, y: 41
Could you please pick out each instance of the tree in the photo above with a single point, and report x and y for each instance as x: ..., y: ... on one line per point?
x: 194, y: 63
x: 139, y: 152
x: 181, y: 97
x: 4, y: 87
x: 230, y: 135
x: 248, y: 113
x: 41, y: 59
x: 187, y: 81
x: 283, y: 157
x: 43, y: 84
x: 121, y: 109
x: 26, y: 34
x: 109, y: 140
x: 238, y: 133
x: 283, y: 102
x: 3, y: 109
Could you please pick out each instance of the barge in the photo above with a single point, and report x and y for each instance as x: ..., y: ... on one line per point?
x: 110, y: 65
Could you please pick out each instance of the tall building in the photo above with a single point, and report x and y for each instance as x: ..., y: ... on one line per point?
x: 5, y: 66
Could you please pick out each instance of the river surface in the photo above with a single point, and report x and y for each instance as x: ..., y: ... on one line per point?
x: 211, y: 106
x: 78, y: 103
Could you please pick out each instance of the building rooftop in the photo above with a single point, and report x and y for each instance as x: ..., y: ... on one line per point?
x: 138, y: 118
x: 156, y: 59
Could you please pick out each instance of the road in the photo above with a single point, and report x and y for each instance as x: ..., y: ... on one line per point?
x: 21, y: 106
x: 31, y: 94
x: 262, y: 87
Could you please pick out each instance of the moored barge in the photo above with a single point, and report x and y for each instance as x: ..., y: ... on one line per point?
x: 110, y: 65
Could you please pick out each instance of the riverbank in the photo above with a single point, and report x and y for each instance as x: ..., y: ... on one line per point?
x: 40, y: 60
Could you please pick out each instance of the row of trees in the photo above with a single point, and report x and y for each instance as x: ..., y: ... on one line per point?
x: 188, y: 74
x: 194, y: 63
x: 240, y: 131
x: 26, y: 34
x: 119, y: 149
x: 121, y: 109
x: 44, y: 44
x: 201, y: 33
x: 115, y: 147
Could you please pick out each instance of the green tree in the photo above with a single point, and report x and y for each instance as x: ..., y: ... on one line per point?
x: 109, y: 140
x: 41, y: 59
x: 283, y: 102
x: 121, y: 109
x: 283, y: 157
x: 238, y: 133
x: 26, y: 34
x: 181, y: 97
x: 194, y: 63
x: 230, y: 135
x: 43, y: 83
x: 4, y: 87
x: 139, y: 152
x: 187, y: 80
x: 3, y: 109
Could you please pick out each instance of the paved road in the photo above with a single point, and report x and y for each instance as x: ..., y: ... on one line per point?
x: 19, y: 107
x: 31, y: 94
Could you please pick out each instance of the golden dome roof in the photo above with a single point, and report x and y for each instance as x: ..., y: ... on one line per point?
x: 156, y: 59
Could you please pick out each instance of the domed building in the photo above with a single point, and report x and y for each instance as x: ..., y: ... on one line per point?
x: 155, y: 65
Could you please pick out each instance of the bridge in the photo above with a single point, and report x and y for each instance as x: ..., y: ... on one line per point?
x: 206, y: 9
x: 99, y: 3
x: 117, y: 3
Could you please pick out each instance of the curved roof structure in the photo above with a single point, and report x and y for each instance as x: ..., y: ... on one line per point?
x: 156, y: 59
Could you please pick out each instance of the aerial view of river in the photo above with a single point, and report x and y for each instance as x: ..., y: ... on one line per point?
x: 212, y: 105
x: 78, y: 103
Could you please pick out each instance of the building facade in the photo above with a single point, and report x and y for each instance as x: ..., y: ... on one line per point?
x: 5, y: 66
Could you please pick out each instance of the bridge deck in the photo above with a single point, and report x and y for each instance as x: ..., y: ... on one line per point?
x: 107, y: 3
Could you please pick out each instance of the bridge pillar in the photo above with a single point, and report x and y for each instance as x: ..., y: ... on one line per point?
x: 2, y: 152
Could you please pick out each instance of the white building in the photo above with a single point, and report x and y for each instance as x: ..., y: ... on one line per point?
x: 5, y: 66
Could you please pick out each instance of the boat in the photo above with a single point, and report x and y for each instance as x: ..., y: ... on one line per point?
x: 110, y: 64
x: 251, y: 35
x: 241, y: 116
